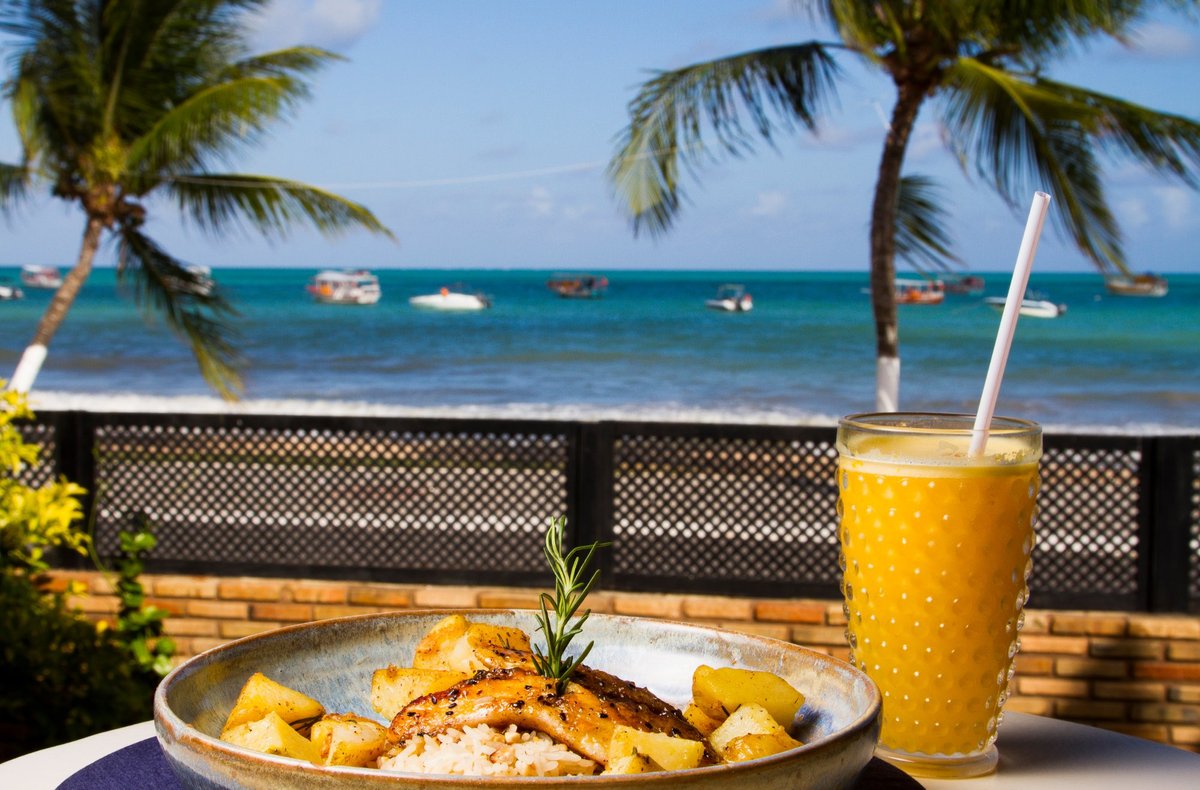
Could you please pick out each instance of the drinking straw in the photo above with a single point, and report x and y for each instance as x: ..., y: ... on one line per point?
x: 1008, y: 323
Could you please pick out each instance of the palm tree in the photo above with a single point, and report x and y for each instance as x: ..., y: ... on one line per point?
x: 980, y: 62
x: 116, y: 101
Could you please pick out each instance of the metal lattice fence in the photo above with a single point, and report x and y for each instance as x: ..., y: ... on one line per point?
x: 747, y: 510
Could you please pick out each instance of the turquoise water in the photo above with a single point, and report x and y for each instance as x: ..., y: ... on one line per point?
x: 647, y: 349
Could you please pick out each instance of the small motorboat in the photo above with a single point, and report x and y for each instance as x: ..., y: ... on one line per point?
x: 1136, y: 285
x: 920, y: 291
x: 578, y: 286
x: 345, y: 286
x: 731, y: 298
x: 968, y: 284
x: 1032, y: 307
x: 10, y: 292
x: 37, y: 276
x: 452, y: 299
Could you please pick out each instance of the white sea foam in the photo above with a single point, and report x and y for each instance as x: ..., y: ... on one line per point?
x: 42, y: 400
x: 201, y: 404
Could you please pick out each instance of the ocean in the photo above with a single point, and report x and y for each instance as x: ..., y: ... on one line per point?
x: 647, y: 350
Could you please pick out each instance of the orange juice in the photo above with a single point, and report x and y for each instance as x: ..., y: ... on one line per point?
x: 936, y: 548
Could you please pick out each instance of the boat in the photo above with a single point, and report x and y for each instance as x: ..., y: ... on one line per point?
x: 1136, y: 285
x: 731, y: 298
x: 920, y: 291
x: 37, y: 276
x: 10, y: 292
x: 452, y: 299
x: 578, y: 286
x: 345, y: 286
x: 968, y: 284
x: 1032, y: 307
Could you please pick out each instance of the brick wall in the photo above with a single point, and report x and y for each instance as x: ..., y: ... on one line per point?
x: 1133, y: 673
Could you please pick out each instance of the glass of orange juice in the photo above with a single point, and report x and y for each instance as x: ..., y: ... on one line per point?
x: 935, y: 550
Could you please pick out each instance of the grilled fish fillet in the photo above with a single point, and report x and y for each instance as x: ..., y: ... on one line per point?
x: 582, y: 718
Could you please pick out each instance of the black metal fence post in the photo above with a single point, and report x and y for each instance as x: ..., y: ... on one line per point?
x: 1171, y: 458
x: 75, y: 458
x: 592, y: 481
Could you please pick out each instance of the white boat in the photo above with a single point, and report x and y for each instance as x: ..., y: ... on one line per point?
x: 731, y: 298
x: 1136, y: 285
x: 345, y: 286
x: 37, y: 276
x: 448, y: 299
x: 10, y: 292
x: 1034, y: 308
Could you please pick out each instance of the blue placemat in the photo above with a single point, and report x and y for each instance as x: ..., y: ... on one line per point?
x: 142, y: 766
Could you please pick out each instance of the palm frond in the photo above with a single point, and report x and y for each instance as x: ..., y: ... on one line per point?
x: 211, y: 120
x: 13, y: 182
x: 923, y: 236
x: 1023, y: 136
x: 163, y: 286
x: 776, y: 88
x: 1169, y: 144
x: 269, y: 205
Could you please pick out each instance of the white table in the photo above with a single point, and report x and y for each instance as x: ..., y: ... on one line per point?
x: 1035, y: 753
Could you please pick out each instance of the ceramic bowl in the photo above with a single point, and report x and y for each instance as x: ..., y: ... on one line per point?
x: 332, y: 661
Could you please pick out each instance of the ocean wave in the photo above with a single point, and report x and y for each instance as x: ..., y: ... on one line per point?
x: 129, y: 402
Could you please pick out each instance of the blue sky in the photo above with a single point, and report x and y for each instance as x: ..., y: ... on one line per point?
x: 478, y: 132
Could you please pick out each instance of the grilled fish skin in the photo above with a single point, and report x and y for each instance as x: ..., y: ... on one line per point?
x: 582, y: 718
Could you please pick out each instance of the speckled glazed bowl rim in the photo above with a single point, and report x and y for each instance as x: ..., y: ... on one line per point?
x: 172, y: 728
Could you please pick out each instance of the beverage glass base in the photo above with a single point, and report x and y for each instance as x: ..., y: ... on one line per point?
x: 942, y: 767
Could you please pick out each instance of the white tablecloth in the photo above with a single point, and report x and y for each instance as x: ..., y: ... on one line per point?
x: 1036, y: 753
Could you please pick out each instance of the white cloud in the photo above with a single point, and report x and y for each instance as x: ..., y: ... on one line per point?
x: 541, y: 202
x: 1175, y: 204
x: 769, y: 204
x: 1159, y: 41
x: 1131, y: 213
x: 334, y: 24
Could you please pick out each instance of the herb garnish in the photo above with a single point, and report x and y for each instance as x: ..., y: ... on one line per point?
x: 569, y: 592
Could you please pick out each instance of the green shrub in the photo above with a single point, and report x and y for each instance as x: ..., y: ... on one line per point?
x: 62, y: 676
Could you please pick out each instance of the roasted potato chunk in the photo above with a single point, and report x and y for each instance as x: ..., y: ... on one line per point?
x: 260, y: 695
x: 458, y: 645
x: 394, y: 687
x: 672, y: 754
x: 700, y: 720
x: 346, y: 739
x: 720, y: 692
x: 632, y: 764
x: 272, y: 735
x: 750, y: 732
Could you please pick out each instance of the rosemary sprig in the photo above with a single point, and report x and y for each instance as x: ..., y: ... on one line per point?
x: 569, y: 592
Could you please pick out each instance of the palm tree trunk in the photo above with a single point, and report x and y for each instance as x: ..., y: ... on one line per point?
x: 56, y: 312
x: 883, y: 248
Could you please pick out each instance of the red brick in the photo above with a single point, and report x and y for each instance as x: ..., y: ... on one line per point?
x: 1089, y: 709
x: 317, y: 593
x: 1039, y: 706
x: 773, y: 630
x: 1151, y: 732
x: 1184, y: 651
x: 380, y: 596
x: 1090, y: 668
x: 1141, y: 692
x: 182, y: 626
x: 283, y: 612
x: 513, y: 599
x: 712, y: 607
x: 1033, y: 665
x: 323, y: 612
x: 236, y: 629
x: 1165, y: 626
x: 812, y: 612
x: 828, y: 635
x: 172, y: 606
x: 1037, y: 622
x: 91, y: 604
x: 1161, y: 670
x: 446, y: 598
x: 1172, y: 714
x: 1189, y: 694
x: 251, y: 589
x: 1185, y: 735
x: 835, y: 615
x: 221, y: 610
x: 184, y: 586
x: 1127, y: 648
x: 198, y: 645
x: 649, y: 605
x: 1052, y: 687
x: 1069, y: 645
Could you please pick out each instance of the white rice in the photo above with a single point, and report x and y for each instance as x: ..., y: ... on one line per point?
x: 484, y: 751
